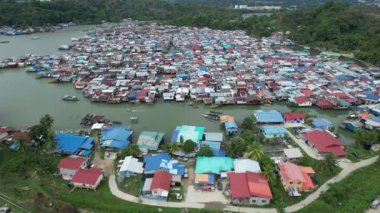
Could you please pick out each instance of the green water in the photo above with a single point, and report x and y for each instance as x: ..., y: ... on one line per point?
x: 24, y: 99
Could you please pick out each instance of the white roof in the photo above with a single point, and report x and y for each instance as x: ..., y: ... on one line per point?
x: 97, y: 126
x: 246, y: 165
x: 131, y: 164
x: 293, y: 153
x: 147, y: 184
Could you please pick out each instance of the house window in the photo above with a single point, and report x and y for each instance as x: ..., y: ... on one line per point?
x: 299, y: 182
x: 253, y: 201
x: 263, y: 201
x: 291, y: 182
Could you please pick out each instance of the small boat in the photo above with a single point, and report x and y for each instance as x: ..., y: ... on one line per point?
x: 117, y: 122
x: 64, y: 47
x: 216, y: 113
x: 211, y: 117
x: 134, y: 119
x: 4, y: 42
x: 35, y: 38
x: 70, y: 98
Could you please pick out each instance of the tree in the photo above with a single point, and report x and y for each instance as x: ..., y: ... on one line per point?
x: 255, y: 151
x: 236, y: 147
x: 248, y: 136
x: 205, y: 151
x: 328, y: 165
x: 132, y: 150
x: 248, y: 123
x: 170, y: 147
x: 188, y: 146
x: 47, y: 121
x: 268, y: 172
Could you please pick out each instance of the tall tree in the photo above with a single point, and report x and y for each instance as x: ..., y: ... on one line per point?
x: 255, y: 151
x: 268, y: 172
x: 205, y: 151
x: 188, y: 146
x: 328, y: 165
x: 236, y: 147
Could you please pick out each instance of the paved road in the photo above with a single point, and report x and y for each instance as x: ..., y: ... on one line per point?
x: 122, y: 195
x: 310, y: 151
x: 348, y: 168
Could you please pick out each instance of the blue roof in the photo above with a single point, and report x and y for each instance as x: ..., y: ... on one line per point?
x: 87, y: 144
x: 230, y: 125
x: 215, y: 148
x: 211, y: 179
x: 321, y: 123
x: 116, y: 137
x: 269, y: 116
x: 376, y: 119
x: 273, y: 130
x: 70, y: 144
x: 152, y: 162
x: 372, y: 96
x: 85, y: 153
x: 259, y: 84
x: 344, y: 77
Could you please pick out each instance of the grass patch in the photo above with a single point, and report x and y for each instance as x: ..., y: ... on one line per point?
x: 132, y: 185
x: 353, y: 194
x: 360, y: 152
x: 44, y: 189
x: 174, y: 190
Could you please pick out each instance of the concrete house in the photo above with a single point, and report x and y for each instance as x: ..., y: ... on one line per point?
x: 70, y: 165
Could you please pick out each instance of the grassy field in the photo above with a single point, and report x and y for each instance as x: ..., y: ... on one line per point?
x: 353, y: 194
x: 132, y: 185
x: 42, y: 192
x: 361, y: 153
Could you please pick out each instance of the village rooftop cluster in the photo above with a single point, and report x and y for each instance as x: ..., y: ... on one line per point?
x: 139, y: 63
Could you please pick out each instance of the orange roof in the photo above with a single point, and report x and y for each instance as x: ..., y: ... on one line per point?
x: 308, y: 170
x: 363, y: 115
x: 225, y: 118
x: 308, y: 184
x: 201, y: 178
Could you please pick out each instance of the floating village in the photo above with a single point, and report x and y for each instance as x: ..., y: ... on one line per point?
x: 142, y: 63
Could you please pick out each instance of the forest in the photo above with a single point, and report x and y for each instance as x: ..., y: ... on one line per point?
x: 332, y: 26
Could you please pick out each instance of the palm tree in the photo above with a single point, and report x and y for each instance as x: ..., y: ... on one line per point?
x: 255, y: 151
x: 172, y: 147
x: 133, y: 150
x: 268, y: 172
x: 328, y: 165
x: 47, y: 121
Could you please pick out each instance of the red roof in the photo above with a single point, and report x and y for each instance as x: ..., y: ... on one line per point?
x: 71, y: 163
x: 291, y: 172
x: 306, y: 92
x: 87, y: 176
x: 17, y: 135
x: 238, y: 183
x: 301, y: 99
x: 5, y: 130
x: 245, y: 185
x: 258, y: 185
x: 325, y: 142
x: 294, y: 116
x: 161, y: 180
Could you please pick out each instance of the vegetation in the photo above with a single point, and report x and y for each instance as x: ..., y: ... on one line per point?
x: 255, y: 151
x: 188, y: 146
x: 205, y: 151
x: 132, y: 185
x: 328, y: 165
x: 367, y: 137
x: 170, y: 147
x: 353, y: 194
x: 236, y: 147
x: 132, y: 150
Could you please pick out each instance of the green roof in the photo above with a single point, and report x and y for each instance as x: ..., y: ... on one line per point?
x: 150, y: 140
x: 214, y: 164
